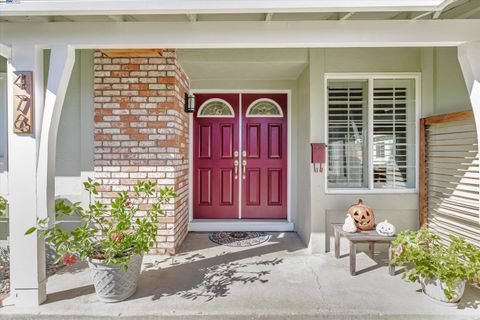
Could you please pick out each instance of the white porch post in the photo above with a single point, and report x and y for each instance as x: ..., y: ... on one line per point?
x: 62, y: 60
x: 27, y: 253
x: 32, y: 169
x: 469, y: 58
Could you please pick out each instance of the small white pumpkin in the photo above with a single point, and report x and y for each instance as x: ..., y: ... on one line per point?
x: 385, y: 229
x: 349, y: 225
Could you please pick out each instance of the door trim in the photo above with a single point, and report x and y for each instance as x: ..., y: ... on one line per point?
x: 289, y: 155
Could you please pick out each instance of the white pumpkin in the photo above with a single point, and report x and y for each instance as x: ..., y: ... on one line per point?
x: 385, y: 229
x: 349, y: 225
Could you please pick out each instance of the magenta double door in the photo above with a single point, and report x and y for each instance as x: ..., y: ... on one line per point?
x: 240, y: 156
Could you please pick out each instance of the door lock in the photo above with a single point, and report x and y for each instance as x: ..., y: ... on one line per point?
x: 244, y: 153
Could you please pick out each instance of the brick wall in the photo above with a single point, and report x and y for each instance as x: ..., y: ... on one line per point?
x: 141, y: 132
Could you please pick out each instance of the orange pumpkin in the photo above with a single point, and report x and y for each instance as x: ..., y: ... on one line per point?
x: 362, y: 215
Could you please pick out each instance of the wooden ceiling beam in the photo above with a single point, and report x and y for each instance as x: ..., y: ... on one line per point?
x: 119, y: 53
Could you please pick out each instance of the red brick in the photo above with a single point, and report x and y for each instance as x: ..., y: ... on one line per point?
x: 131, y: 94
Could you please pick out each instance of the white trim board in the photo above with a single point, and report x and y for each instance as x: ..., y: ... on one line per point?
x: 102, y: 7
x: 210, y: 225
x: 289, y: 151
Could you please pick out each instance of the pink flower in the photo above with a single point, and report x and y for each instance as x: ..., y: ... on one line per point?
x: 69, y: 259
x: 117, y: 237
x: 127, y: 203
x: 399, y: 250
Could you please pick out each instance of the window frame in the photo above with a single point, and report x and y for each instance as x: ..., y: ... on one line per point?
x: 248, y: 115
x: 371, y: 77
x: 208, y: 101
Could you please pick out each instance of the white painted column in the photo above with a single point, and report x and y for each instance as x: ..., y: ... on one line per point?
x: 27, y: 253
x: 32, y: 169
x: 469, y: 58
x: 62, y: 60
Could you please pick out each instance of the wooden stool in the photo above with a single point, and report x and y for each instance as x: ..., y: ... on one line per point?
x: 371, y: 237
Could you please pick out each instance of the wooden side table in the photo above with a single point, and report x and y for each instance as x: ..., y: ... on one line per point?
x: 371, y: 237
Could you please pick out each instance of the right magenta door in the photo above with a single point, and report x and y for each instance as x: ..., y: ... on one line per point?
x: 264, y: 156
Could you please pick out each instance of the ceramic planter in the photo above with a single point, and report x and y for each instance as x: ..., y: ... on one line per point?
x: 434, y: 289
x: 112, y: 283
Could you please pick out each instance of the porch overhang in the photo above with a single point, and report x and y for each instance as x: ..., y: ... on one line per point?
x: 244, y: 34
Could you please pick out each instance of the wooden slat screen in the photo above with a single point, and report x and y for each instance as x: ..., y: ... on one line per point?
x: 449, y: 176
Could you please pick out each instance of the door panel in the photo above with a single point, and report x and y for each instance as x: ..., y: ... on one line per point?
x: 215, y: 189
x: 264, y: 189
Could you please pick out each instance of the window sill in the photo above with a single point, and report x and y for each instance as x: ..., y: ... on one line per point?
x: 368, y: 191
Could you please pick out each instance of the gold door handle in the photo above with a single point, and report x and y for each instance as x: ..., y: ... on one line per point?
x: 235, y: 164
x: 244, y: 168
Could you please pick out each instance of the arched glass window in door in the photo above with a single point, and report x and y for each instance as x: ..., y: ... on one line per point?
x: 216, y: 108
x: 264, y: 108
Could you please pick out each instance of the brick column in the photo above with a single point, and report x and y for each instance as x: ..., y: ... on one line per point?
x: 141, y: 133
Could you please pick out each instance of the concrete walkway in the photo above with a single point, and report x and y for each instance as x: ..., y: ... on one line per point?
x: 274, y: 280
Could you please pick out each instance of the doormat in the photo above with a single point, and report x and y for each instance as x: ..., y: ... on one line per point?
x: 238, y: 238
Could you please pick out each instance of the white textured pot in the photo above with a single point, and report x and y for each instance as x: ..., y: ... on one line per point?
x: 434, y: 289
x: 112, y: 283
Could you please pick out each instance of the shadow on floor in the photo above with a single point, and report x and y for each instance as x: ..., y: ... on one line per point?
x: 204, y: 277
x: 202, y: 269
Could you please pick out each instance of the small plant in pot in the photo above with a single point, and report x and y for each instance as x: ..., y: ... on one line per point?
x: 442, y: 269
x: 111, y: 238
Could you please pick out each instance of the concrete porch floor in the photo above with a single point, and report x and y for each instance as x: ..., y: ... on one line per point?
x: 275, y: 280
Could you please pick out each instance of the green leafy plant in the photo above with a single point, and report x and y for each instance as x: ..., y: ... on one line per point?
x: 429, y: 258
x: 112, y: 233
x: 3, y: 205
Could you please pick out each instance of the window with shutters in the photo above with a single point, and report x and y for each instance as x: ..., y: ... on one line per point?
x: 371, y: 130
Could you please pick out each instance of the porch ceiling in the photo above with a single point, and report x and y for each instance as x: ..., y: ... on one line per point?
x: 243, y: 64
x: 214, y: 10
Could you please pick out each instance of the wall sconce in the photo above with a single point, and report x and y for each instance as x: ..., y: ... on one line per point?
x: 189, y: 103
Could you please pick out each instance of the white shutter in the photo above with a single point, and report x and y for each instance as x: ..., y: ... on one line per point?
x: 393, y: 134
x: 452, y: 179
x: 347, y: 117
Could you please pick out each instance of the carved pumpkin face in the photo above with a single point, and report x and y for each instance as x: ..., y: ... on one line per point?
x: 362, y: 215
x: 385, y: 229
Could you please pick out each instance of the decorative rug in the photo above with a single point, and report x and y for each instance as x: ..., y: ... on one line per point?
x: 238, y: 238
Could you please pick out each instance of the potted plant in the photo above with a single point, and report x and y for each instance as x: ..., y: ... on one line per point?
x: 442, y: 269
x: 111, y: 238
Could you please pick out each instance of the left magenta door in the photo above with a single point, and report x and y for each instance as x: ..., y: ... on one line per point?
x: 215, y: 156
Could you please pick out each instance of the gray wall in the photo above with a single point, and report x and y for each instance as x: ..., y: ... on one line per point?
x: 302, y: 154
x: 75, y: 147
x: 447, y: 94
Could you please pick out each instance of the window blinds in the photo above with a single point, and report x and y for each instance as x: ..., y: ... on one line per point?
x: 347, y: 116
x: 393, y: 138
